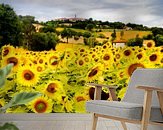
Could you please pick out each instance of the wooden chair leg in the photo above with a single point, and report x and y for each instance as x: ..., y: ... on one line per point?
x: 124, y: 125
x: 94, y: 122
x: 146, y: 110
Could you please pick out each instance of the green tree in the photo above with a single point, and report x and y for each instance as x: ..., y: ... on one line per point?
x: 10, y: 29
x: 86, y: 34
x: 48, y: 28
x: 159, y: 40
x: 28, y: 30
x: 156, y: 31
x: 90, y: 26
x: 135, y: 42
x: 68, y: 33
x: 91, y: 41
x: 44, y: 41
x: 148, y: 37
x: 122, y: 34
x: 114, y: 35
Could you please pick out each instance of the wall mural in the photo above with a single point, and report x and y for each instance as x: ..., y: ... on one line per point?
x: 61, y: 75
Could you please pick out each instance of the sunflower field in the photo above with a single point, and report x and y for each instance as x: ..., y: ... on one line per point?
x: 61, y: 76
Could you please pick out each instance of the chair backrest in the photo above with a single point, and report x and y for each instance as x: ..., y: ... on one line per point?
x: 144, y: 77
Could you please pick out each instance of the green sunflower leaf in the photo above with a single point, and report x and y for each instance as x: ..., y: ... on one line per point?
x: 8, y: 126
x: 20, y: 99
x: 24, y: 98
x: 3, y: 73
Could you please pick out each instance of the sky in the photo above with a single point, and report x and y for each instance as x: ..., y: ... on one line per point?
x: 146, y: 12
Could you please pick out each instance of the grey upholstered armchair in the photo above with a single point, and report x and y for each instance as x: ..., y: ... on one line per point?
x: 138, y: 106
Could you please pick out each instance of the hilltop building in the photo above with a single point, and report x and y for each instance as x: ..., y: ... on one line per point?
x: 73, y: 19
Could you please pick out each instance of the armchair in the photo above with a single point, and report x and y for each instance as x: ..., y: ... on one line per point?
x: 138, y: 107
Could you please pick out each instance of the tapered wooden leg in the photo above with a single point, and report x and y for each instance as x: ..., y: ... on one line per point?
x: 94, y: 122
x: 124, y: 125
x: 146, y: 110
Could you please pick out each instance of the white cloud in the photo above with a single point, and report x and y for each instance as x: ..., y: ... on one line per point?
x: 148, y: 12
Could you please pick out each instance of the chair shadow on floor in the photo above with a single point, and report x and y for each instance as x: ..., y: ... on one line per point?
x: 142, y: 103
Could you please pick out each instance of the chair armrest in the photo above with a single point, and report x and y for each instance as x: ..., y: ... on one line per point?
x: 98, y: 89
x: 102, y: 85
x: 147, y: 88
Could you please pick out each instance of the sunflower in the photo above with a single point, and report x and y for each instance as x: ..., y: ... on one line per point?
x: 41, y: 105
x: 95, y: 72
x: 122, y: 93
x: 133, y: 66
x: 141, y: 56
x: 87, y: 59
x: 42, y: 59
x: 53, y: 61
x: 121, y: 74
x: 53, y: 89
x: 127, y: 52
x: 40, y: 68
x: 107, y: 58
x: 154, y: 58
x: 105, y: 46
x: 67, y: 104
x: 7, y: 50
x: 12, y: 59
x: 27, y: 76
x: 81, y: 62
x: 18, y: 109
x: 2, y: 102
x: 79, y: 102
x: 150, y: 44
x: 89, y: 93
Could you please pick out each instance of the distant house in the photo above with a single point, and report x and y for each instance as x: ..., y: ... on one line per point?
x: 127, y: 28
x: 66, y: 24
x: 119, y: 43
x: 37, y: 27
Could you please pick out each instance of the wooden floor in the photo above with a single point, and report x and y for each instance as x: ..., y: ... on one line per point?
x: 60, y: 121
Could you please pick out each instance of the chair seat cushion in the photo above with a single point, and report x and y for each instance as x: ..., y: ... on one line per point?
x: 125, y: 110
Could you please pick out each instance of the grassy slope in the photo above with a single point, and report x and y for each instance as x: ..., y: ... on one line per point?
x: 107, y: 32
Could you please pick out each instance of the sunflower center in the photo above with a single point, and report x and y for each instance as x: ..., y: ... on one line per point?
x: 12, y: 60
x: 117, y: 56
x: 40, y: 106
x: 104, y: 47
x: 54, y: 60
x: 121, y: 74
x: 80, y: 98
x: 28, y: 75
x: 41, y: 61
x: 139, y: 56
x: 127, y: 52
x: 82, y: 50
x: 133, y: 67
x: 91, y: 93
x: 39, y: 68
x: 5, y: 52
x: 35, y: 62
x: 81, y: 62
x: 149, y: 44
x: 106, y: 57
x: 52, y: 88
x: 153, y: 57
x: 93, y: 72
x: 86, y: 59
x: 161, y: 50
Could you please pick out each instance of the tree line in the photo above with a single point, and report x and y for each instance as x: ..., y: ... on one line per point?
x: 20, y: 31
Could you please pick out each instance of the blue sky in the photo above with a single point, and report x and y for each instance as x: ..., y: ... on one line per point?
x: 146, y: 12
